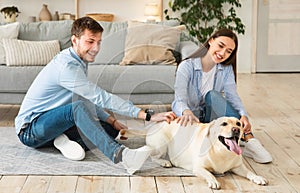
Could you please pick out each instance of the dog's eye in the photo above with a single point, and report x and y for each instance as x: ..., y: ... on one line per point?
x: 238, y: 124
x: 224, y: 124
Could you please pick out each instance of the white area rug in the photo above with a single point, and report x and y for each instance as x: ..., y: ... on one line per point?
x: 18, y: 159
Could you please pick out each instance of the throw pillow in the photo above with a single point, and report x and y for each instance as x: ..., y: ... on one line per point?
x: 150, y: 44
x: 24, y: 53
x: 46, y: 31
x: 113, y: 43
x: 7, y: 31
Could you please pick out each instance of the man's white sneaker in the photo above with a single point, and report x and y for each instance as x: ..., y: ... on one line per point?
x: 70, y: 149
x: 254, y: 149
x: 133, y: 159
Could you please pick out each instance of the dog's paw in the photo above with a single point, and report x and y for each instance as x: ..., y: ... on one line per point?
x: 162, y: 162
x: 166, y: 164
x: 259, y: 180
x: 213, y: 184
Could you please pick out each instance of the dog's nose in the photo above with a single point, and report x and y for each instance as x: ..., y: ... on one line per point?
x: 236, y: 130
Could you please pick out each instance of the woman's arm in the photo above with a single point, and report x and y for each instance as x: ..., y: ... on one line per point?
x: 180, y: 104
x: 183, y: 74
x: 232, y: 96
x: 230, y: 91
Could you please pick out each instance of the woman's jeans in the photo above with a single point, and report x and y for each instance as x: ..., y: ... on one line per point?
x: 66, y: 119
x: 217, y: 106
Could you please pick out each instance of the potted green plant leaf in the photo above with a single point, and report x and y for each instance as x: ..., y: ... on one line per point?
x: 202, y: 17
x: 10, y: 13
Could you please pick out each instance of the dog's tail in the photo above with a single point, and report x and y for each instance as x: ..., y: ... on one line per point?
x: 133, y: 133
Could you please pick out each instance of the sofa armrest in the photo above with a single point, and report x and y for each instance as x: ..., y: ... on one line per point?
x: 186, y: 48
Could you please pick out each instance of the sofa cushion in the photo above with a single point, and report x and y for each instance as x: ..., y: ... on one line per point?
x: 7, y: 31
x: 139, y: 84
x: 113, y: 43
x: 23, y: 53
x: 134, y: 79
x: 150, y: 44
x: 17, y: 79
x: 47, y: 30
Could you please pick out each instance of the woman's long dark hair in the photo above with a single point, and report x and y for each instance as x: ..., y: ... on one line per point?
x: 202, y: 50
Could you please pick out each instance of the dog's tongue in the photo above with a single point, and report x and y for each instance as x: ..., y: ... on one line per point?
x: 233, y: 146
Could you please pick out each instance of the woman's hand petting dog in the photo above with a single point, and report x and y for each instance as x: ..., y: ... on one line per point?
x: 246, y: 124
x: 187, y: 117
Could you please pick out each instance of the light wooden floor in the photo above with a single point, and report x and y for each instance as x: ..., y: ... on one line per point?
x: 272, y: 101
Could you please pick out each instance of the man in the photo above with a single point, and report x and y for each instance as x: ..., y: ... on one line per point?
x: 61, y: 99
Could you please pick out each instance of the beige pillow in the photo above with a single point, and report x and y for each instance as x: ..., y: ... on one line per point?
x: 7, y: 31
x: 150, y: 44
x: 29, y: 53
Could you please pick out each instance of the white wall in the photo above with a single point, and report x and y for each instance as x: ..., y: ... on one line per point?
x: 245, y: 51
x: 129, y: 10
x: 123, y: 10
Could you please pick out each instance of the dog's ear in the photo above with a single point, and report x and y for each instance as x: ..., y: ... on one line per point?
x: 208, y: 139
x: 214, y: 129
x: 209, y: 126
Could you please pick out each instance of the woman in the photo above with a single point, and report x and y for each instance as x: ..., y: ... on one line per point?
x: 205, y: 89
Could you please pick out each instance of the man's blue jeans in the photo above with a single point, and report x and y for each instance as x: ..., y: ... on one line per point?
x: 66, y: 119
x: 217, y: 106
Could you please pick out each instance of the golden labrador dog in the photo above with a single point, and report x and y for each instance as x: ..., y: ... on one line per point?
x: 204, y: 149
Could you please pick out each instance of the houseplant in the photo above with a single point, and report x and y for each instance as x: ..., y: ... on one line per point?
x: 202, y: 17
x: 10, y: 13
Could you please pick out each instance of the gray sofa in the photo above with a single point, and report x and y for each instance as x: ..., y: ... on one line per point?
x: 142, y: 84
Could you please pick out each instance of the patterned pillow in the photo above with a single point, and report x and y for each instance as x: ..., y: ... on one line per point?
x: 29, y: 53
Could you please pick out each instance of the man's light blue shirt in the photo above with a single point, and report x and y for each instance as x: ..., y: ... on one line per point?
x: 188, y: 84
x: 63, y: 80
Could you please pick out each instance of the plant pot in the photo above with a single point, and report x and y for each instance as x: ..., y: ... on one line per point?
x: 9, y: 18
x: 10, y: 13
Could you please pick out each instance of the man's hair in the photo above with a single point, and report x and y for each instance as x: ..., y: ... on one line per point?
x: 84, y: 23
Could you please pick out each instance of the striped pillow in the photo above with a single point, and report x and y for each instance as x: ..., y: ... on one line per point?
x: 29, y: 53
x: 8, y: 31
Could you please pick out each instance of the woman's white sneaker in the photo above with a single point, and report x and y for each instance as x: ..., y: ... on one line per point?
x: 254, y: 149
x: 70, y: 149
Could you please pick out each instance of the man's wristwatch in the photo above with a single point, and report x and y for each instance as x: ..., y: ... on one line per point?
x: 149, y: 112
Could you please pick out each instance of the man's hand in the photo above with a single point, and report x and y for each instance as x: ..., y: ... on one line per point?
x: 164, y: 116
x: 116, y: 125
x: 119, y: 126
x: 187, y: 117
